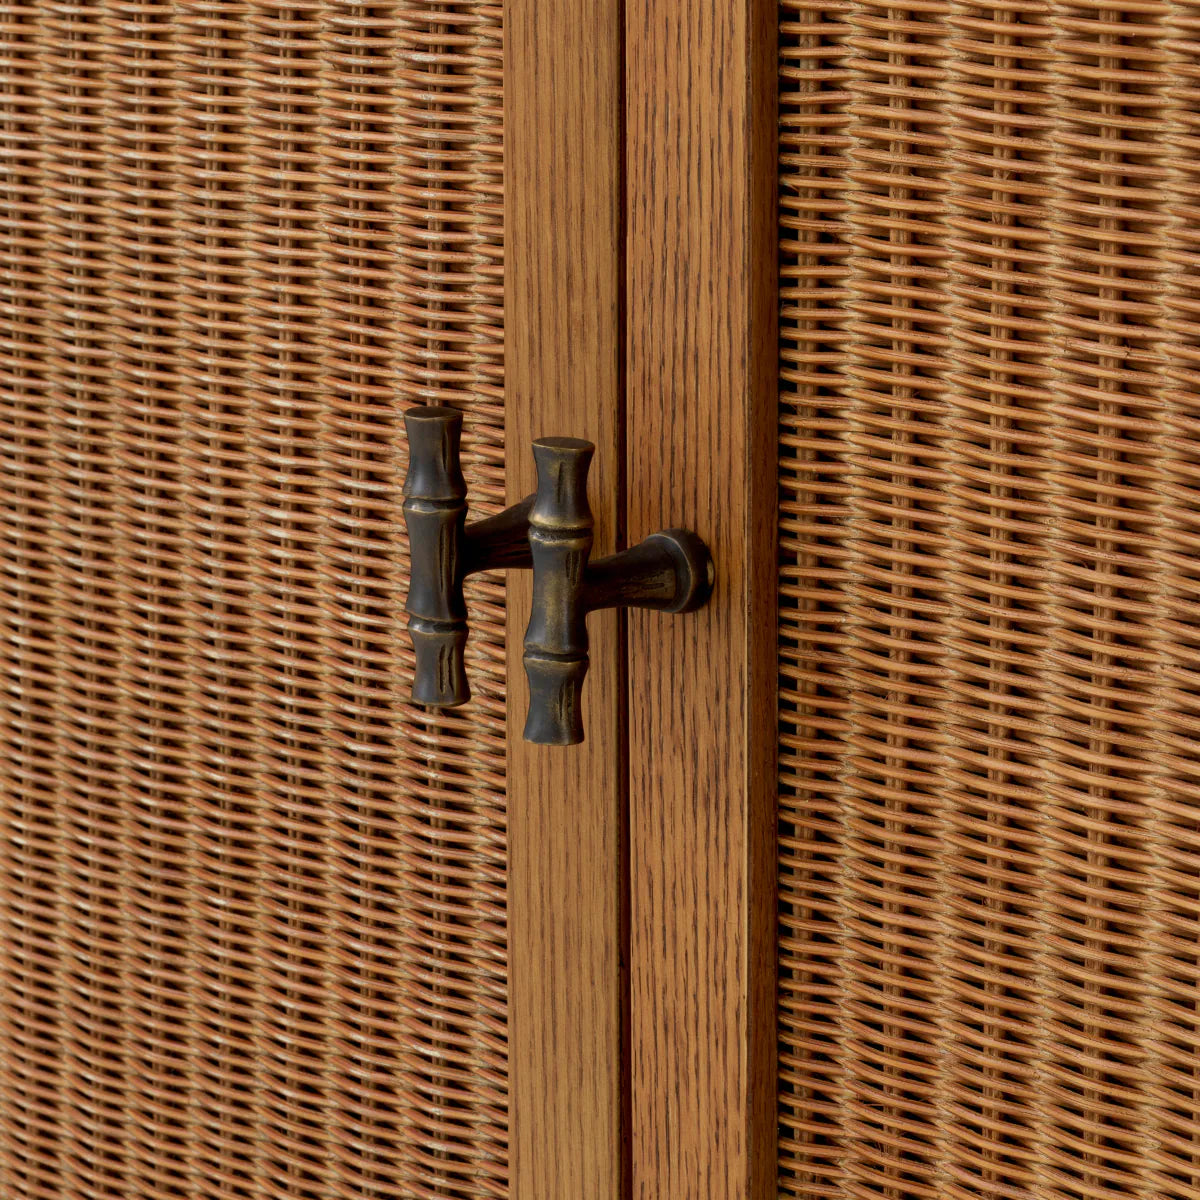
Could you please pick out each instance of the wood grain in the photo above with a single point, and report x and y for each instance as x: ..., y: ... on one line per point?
x: 701, y: 431
x: 565, y: 804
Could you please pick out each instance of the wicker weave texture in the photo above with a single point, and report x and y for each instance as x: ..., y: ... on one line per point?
x: 990, y: 642
x: 252, y: 908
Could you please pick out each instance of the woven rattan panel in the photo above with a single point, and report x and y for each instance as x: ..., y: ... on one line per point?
x: 990, y: 642
x: 252, y: 920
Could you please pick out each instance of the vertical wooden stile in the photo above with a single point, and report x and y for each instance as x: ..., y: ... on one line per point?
x: 562, y: 363
x: 701, y: 433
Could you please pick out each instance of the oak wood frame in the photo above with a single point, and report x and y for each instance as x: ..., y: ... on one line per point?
x: 683, y: 238
x: 563, y: 350
x: 701, y: 433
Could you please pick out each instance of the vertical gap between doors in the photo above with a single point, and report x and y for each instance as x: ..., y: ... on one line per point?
x: 622, y: 540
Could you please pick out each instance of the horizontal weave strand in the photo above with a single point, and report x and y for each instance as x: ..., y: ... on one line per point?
x: 252, y: 914
x: 989, y: 939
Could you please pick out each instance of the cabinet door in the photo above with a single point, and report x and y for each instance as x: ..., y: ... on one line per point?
x: 254, y: 904
x: 972, y: 869
x: 989, y: 453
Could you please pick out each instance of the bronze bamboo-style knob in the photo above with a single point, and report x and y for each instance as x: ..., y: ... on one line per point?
x: 551, y: 532
x: 444, y: 550
x: 556, y: 642
x: 669, y: 571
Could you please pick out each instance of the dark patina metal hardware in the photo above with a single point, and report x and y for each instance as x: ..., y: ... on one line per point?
x: 669, y: 571
x: 445, y: 550
x: 550, y: 531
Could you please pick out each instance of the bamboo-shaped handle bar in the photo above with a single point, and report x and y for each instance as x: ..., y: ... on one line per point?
x: 556, y: 640
x: 435, y: 510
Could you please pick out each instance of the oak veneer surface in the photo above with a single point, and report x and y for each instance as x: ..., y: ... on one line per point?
x: 700, y: 121
x: 253, y: 919
x: 989, y: 823
x: 566, y: 804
